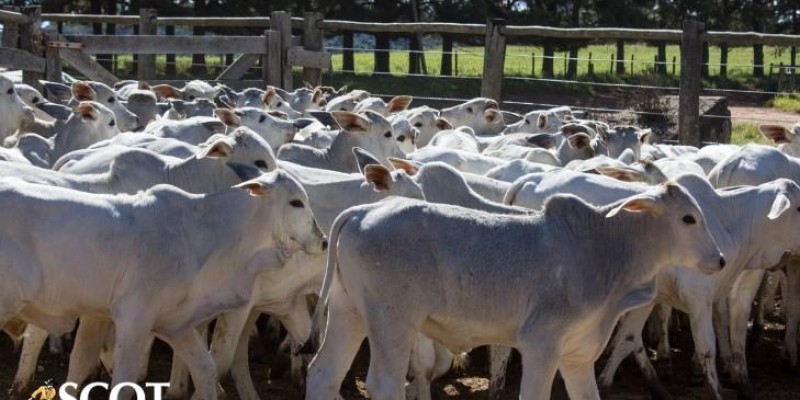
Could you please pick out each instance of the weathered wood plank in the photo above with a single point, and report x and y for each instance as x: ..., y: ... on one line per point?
x: 87, y: 66
x: 281, y: 21
x: 13, y: 17
x: 52, y: 58
x: 11, y: 30
x: 18, y: 59
x: 493, y: 60
x: 154, y: 44
x: 30, y: 35
x: 271, y: 63
x: 146, y: 68
x: 239, y: 67
x: 209, y: 22
x: 404, y: 27
x: 299, y: 56
x: 691, y: 83
x: 313, y: 41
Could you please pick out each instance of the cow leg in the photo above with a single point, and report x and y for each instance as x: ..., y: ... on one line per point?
x: 423, y: 358
x: 32, y: 344
x: 722, y: 324
x: 627, y: 340
x: 191, y: 348
x: 89, y: 341
x: 664, y: 313
x: 179, y: 373
x: 539, y: 365
x: 791, y: 304
x: 240, y: 368
x: 298, y: 324
x: 131, y: 339
x: 580, y: 382
x: 227, y: 332
x: 704, y: 345
x: 391, y: 337
x: 498, y: 365
x: 343, y: 337
x: 740, y: 300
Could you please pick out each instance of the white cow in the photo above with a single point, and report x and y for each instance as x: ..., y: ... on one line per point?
x: 13, y: 110
x: 543, y: 301
x: 101, y: 93
x: 179, y: 282
x: 395, y: 105
x: 193, y: 130
x: 480, y: 114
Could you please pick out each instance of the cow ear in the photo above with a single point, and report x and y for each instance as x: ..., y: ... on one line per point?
x: 351, y: 122
x: 779, y: 206
x: 86, y: 111
x: 442, y: 124
x: 228, y: 117
x: 579, y: 140
x: 776, y: 133
x: 379, y: 176
x: 541, y: 121
x: 214, y: 126
x: 256, y: 189
x: 317, y: 96
x: 399, y: 103
x: 269, y: 94
x: 166, y: 91
x: 142, y: 85
x: 308, y: 85
x: 219, y: 149
x: 637, y: 204
x: 621, y: 174
x: 278, y: 114
x: 403, y: 165
x: 543, y: 140
x: 364, y: 158
x: 82, y: 91
x: 492, y: 115
x: 644, y: 135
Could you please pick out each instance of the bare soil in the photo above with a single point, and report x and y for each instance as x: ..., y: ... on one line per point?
x: 770, y: 375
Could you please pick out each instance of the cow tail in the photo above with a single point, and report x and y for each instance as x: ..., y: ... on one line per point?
x: 312, y: 344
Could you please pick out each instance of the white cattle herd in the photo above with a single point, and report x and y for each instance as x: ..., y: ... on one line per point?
x: 140, y: 212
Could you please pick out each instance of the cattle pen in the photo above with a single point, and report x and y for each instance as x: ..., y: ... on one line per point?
x: 284, y: 42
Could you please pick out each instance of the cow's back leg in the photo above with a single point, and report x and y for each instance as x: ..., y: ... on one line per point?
x: 343, y: 336
x: 791, y: 304
x: 499, y: 357
x: 391, y: 336
x: 191, y: 348
x: 423, y: 359
x: 627, y: 340
x: 179, y: 376
x: 34, y: 340
x: 132, y: 336
x: 240, y: 368
x: 540, y: 358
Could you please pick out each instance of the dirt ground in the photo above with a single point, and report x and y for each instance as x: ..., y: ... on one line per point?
x: 770, y: 375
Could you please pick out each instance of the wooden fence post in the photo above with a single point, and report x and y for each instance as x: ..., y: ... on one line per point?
x: 52, y: 58
x: 11, y: 30
x: 271, y: 63
x: 32, y: 40
x: 691, y: 83
x: 494, y: 57
x: 146, y: 70
x: 313, y: 39
x: 281, y: 21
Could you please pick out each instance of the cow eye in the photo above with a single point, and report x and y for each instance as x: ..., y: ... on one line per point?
x: 388, y: 134
x: 401, y: 138
x: 191, y: 97
x: 469, y: 109
x: 111, y: 100
x: 35, y: 100
x: 798, y: 209
x: 528, y: 122
x: 10, y: 91
x: 261, y: 164
x: 279, y: 104
x: 262, y: 118
x: 418, y: 125
x: 296, y: 204
x: 689, y: 220
x: 112, y: 123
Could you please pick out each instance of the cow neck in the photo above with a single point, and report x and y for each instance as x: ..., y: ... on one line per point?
x: 197, y: 175
x: 739, y: 228
x: 340, y: 152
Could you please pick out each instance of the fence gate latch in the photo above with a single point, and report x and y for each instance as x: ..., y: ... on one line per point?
x: 65, y: 45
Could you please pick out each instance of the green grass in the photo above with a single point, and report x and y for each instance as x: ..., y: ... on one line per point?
x: 787, y: 102
x: 747, y: 132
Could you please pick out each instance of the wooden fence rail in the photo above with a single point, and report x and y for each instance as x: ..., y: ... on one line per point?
x: 278, y: 50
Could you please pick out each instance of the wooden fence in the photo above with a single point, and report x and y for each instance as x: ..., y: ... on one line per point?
x: 38, y: 53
